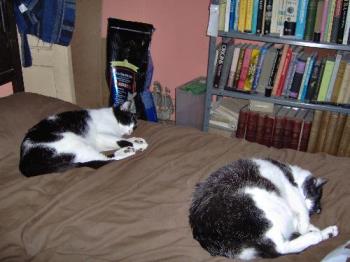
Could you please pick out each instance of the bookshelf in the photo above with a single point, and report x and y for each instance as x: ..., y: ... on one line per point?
x: 220, y: 92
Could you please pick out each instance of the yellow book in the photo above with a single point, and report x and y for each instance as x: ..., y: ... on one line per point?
x: 222, y: 14
x: 326, y: 78
x: 248, y: 83
x: 338, y: 81
x: 249, y: 16
x: 242, y: 15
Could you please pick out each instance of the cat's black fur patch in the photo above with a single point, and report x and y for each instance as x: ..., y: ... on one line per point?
x: 124, y: 143
x: 314, y: 192
x: 124, y: 117
x: 219, y: 206
x: 94, y: 164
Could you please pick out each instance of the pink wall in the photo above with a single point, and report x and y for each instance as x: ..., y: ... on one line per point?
x: 6, y: 89
x: 179, y: 44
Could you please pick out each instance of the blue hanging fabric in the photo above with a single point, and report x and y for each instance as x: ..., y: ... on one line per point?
x: 50, y: 20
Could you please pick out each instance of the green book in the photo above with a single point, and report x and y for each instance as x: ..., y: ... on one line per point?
x: 310, y: 20
x: 326, y: 78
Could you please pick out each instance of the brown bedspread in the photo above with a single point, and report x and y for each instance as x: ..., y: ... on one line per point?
x: 134, y: 209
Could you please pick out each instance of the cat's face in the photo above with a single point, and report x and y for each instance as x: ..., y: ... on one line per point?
x: 127, y: 122
x: 312, y: 189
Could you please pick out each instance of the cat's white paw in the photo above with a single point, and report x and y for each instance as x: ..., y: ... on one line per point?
x: 124, y: 152
x: 139, y: 143
x: 329, y: 232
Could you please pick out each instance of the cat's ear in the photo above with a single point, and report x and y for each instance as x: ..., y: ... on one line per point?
x: 319, y: 181
x: 125, y: 106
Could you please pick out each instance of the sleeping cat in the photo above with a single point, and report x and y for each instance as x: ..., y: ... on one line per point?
x: 257, y: 208
x: 77, y: 138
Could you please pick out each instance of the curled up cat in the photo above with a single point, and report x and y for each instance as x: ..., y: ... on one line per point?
x: 255, y: 208
x: 77, y: 138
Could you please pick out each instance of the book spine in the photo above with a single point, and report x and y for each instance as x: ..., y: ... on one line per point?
x: 287, y: 132
x: 279, y: 69
x: 259, y: 18
x: 307, y: 78
x: 222, y: 14
x: 255, y: 15
x: 336, y: 20
x: 298, y: 77
x: 318, y: 21
x: 305, y: 135
x: 310, y: 20
x: 333, y: 77
x: 245, y: 68
x: 268, y: 16
x: 219, y: 64
x: 232, y: 15
x: 345, y: 138
x: 227, y: 15
x: 325, y: 80
x: 329, y: 23
x: 237, y: 9
x: 242, y: 123
x: 313, y: 81
x: 274, y: 69
x: 242, y: 15
x: 268, y: 130
x: 259, y: 67
x: 323, y: 131
x: 296, y: 130
x: 290, y: 74
x: 260, y: 128
x: 277, y: 135
x: 249, y: 16
x: 301, y: 19
x: 290, y: 20
x: 274, y: 17
x: 324, y: 18
x: 233, y: 68
x: 319, y: 80
x: 251, y: 126
x: 281, y: 16
x: 347, y: 28
x: 248, y: 83
x: 225, y: 71
x: 284, y: 72
x: 342, y: 22
x: 239, y: 67
x: 316, y: 123
x: 338, y: 81
x: 337, y: 134
x: 330, y: 132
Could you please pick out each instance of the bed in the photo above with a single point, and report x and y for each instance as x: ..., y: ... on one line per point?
x: 134, y: 209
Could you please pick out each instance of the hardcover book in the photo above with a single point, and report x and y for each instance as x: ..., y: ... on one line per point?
x: 310, y: 20
x: 242, y: 122
x: 249, y: 16
x: 225, y: 70
x: 233, y: 68
x: 329, y: 23
x: 298, y: 77
x: 333, y: 77
x: 306, y: 130
x: 330, y: 132
x: 323, y: 131
x: 248, y: 83
x: 266, y: 69
x: 259, y: 18
x: 318, y: 21
x: 291, y: 9
x: 239, y: 66
x: 316, y: 126
x: 280, y: 118
x: 326, y: 78
x: 245, y: 67
x: 259, y: 65
x: 306, y: 77
x: 242, y: 15
x: 338, y: 81
x: 252, y: 126
x: 313, y: 80
x: 344, y: 143
x: 301, y: 19
x: 284, y: 69
x: 344, y: 84
x: 342, y: 22
x: 297, y: 128
x: 260, y: 128
x: 268, y: 16
x: 279, y: 68
x: 336, y: 20
x: 219, y: 63
x: 288, y: 128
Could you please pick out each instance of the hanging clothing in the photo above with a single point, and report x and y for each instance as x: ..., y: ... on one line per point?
x: 50, y: 20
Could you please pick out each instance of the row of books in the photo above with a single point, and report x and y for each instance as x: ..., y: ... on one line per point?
x: 285, y: 127
x: 330, y: 133
x: 283, y: 70
x: 313, y: 20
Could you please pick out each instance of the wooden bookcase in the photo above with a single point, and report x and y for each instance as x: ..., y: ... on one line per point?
x: 220, y: 92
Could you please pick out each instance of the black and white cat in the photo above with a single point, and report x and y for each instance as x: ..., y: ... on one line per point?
x: 77, y: 138
x: 257, y: 208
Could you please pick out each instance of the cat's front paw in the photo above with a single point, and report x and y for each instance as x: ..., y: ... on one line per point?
x: 139, y: 143
x: 329, y: 232
x: 124, y: 152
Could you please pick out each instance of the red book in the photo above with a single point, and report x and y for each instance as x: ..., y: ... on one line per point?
x: 245, y: 67
x: 260, y: 128
x: 277, y: 135
x: 288, y: 128
x: 251, y: 126
x: 242, y: 122
x: 268, y: 129
x: 306, y: 129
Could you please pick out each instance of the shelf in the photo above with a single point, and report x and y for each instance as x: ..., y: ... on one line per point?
x: 284, y: 40
x: 281, y: 101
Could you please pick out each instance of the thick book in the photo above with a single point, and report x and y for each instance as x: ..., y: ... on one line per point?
x: 342, y: 22
x: 231, y: 76
x: 260, y: 128
x: 290, y: 19
x: 323, y: 131
x: 288, y: 128
x: 249, y: 16
x: 269, y: 126
x: 242, y: 122
x: 225, y: 70
x: 301, y: 19
x: 242, y: 15
x: 306, y: 130
x: 345, y: 139
x: 219, y: 63
x: 268, y: 16
x: 333, y: 77
x: 259, y: 18
x: 239, y: 66
x: 330, y: 132
x: 298, y: 77
x: 336, y: 20
x: 344, y: 85
x: 248, y: 83
x: 285, y: 51
x: 326, y: 78
x: 266, y: 69
x: 251, y: 126
x: 273, y: 74
x: 277, y: 135
x: 296, y: 52
x: 297, y: 128
x: 318, y: 21
x: 338, y: 81
x: 284, y: 72
x: 338, y: 133
x: 310, y: 20
x: 245, y: 67
x: 324, y: 18
x: 316, y: 127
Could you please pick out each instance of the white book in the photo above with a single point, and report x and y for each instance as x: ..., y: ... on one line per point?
x: 233, y: 65
x: 227, y: 15
x: 333, y: 77
x: 274, y: 18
